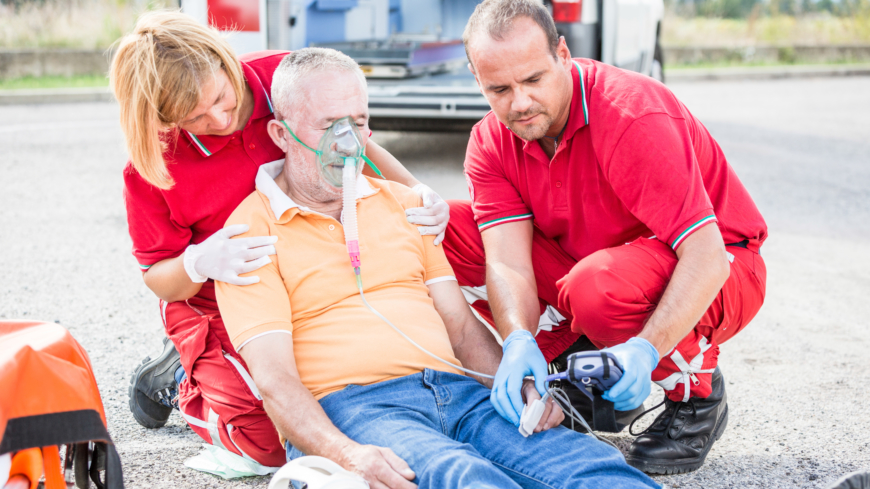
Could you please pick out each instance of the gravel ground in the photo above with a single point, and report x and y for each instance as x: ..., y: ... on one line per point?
x: 797, y: 377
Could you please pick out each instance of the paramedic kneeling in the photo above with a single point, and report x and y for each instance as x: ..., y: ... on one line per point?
x: 597, y: 193
x: 336, y: 379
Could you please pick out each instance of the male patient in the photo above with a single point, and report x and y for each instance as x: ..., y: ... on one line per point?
x: 337, y: 380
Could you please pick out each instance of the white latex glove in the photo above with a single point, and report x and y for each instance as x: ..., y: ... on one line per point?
x: 432, y: 218
x: 224, y: 259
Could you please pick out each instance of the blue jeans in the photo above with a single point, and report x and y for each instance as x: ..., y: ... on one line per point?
x: 445, y: 428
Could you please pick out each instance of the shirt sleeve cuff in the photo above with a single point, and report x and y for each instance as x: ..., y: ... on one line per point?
x: 146, y: 260
x: 695, y: 223
x: 252, y: 338
x: 493, y: 221
x: 437, y: 273
x: 445, y: 278
x: 251, y: 332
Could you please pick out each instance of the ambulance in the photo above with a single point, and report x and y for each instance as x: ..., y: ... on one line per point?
x: 411, y: 50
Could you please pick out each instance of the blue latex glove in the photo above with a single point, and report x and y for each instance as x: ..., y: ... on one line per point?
x: 638, y: 359
x: 521, y: 358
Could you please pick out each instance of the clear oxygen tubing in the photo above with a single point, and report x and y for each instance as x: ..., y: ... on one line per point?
x: 348, y: 212
x: 351, y: 237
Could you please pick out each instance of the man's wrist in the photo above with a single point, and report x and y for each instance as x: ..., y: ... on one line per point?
x: 655, y: 339
x: 649, y: 347
x: 343, y: 452
x: 518, y: 335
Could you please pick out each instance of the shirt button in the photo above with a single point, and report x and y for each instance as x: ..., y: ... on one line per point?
x: 252, y: 146
x: 331, y: 227
x: 558, y: 184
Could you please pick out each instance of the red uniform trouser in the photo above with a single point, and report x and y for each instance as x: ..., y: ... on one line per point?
x: 609, y: 295
x: 218, y: 398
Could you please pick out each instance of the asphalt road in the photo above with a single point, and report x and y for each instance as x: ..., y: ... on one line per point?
x: 797, y: 377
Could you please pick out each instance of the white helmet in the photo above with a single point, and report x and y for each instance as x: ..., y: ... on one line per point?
x: 316, y: 473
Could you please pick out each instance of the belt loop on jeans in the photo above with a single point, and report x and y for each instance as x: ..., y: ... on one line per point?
x: 428, y: 377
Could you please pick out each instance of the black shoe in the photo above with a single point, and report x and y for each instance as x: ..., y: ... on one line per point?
x: 579, y: 400
x: 681, y: 436
x: 153, y: 390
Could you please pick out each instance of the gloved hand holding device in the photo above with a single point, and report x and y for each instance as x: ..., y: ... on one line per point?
x: 521, y: 357
x: 638, y: 358
x: 224, y: 259
x: 433, y: 216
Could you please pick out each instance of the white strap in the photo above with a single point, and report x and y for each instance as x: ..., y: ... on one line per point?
x: 687, y: 369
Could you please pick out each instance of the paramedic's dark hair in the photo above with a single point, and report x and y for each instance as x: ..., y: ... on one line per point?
x: 496, y: 17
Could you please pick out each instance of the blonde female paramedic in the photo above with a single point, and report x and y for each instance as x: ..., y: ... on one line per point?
x: 194, y: 116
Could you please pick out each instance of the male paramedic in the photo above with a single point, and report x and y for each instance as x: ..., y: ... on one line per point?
x: 594, y: 191
x: 336, y: 378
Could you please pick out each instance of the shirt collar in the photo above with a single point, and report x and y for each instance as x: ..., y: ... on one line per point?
x: 208, y: 145
x: 280, y: 202
x: 579, y: 108
x: 578, y: 116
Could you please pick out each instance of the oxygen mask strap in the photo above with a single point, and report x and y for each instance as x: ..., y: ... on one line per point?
x: 365, y: 158
x: 297, y: 139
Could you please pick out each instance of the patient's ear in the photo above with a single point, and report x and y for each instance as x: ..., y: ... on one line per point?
x: 278, y: 134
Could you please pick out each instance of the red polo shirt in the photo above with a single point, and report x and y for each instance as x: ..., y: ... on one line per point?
x: 213, y: 175
x: 632, y: 162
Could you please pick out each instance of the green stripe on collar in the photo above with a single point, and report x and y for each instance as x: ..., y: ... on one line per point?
x: 583, y: 91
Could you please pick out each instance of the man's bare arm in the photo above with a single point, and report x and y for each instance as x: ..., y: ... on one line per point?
x: 701, y: 272
x: 510, y: 278
x: 475, y: 346
x: 301, y: 419
x: 473, y: 343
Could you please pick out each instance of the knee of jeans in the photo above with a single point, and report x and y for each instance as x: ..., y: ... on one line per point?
x: 462, y: 459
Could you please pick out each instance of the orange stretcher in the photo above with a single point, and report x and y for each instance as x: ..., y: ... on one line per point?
x: 52, y: 421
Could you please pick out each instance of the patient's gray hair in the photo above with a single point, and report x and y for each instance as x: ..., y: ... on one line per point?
x: 496, y: 18
x: 297, y: 66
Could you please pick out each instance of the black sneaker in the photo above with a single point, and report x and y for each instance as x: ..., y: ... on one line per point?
x: 153, y: 390
x: 681, y: 436
x: 581, y: 401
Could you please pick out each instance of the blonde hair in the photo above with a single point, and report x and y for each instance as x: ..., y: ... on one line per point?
x: 157, y: 74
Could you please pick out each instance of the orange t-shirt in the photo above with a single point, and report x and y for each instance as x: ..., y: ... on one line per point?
x: 309, y: 289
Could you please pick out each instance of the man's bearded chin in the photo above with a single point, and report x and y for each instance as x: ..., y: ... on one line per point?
x: 533, y: 132
x: 306, y: 178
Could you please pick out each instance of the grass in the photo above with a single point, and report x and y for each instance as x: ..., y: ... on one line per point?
x: 54, y: 82
x: 751, y: 64
x: 811, y: 29
x: 84, y: 24
x: 96, y: 24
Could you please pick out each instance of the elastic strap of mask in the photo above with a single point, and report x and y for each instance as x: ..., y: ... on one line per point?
x: 373, y: 167
x: 298, y: 140
x: 364, y: 157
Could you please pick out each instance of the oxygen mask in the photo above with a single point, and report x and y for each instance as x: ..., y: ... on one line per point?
x: 341, y: 144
